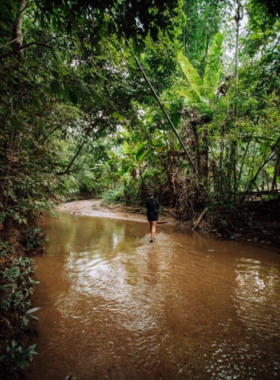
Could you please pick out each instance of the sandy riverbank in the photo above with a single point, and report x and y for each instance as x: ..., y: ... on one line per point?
x: 94, y: 208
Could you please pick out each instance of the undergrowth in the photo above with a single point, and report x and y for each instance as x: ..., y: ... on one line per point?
x: 126, y: 194
x: 16, y: 312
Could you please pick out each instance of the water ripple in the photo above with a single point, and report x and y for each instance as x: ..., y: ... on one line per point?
x: 184, y: 307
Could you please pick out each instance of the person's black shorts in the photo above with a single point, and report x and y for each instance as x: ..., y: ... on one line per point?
x: 152, y: 216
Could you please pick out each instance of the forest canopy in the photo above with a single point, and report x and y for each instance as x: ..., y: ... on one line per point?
x: 112, y: 98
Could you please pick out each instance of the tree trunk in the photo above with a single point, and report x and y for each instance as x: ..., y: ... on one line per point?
x: 17, y: 31
x: 238, y: 17
x: 170, y: 182
x: 276, y: 173
x: 76, y: 155
x: 196, y: 144
x: 206, y: 158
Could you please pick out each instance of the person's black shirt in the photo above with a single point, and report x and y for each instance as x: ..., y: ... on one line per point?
x: 152, y: 205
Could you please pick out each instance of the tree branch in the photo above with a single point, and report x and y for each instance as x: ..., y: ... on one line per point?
x: 24, y: 47
x: 269, y: 158
x: 8, y: 43
x: 67, y: 170
x: 48, y: 135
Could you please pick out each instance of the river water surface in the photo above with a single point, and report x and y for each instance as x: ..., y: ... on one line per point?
x: 185, y: 307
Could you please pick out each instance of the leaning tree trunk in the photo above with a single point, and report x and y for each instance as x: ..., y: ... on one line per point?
x: 205, y: 170
x: 193, y: 125
x: 276, y: 173
x: 238, y: 17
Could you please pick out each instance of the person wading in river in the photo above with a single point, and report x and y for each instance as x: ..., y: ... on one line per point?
x: 152, y: 206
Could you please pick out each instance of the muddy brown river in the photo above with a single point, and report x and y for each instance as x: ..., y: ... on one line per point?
x: 185, y: 307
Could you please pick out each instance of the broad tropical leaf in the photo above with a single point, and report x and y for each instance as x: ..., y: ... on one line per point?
x: 191, y: 74
x: 188, y: 94
x: 212, y: 69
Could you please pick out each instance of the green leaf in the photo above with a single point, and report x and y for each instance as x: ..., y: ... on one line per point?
x: 35, y: 101
x: 12, y: 272
x: 188, y: 94
x: 191, y: 74
x: 55, y: 87
x: 40, y: 126
x: 124, y: 169
x: 142, y: 156
x: 32, y: 348
x: 33, y: 310
x: 22, y: 364
x: 25, y: 321
x: 54, y: 21
x: 7, y: 286
x: 73, y: 97
x: 140, y: 152
x: 176, y: 119
x: 17, y: 124
x: 84, y: 89
x: 34, y: 317
x: 55, y: 73
x: 211, y: 76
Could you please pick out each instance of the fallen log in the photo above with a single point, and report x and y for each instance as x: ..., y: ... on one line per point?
x: 170, y: 213
x: 199, y: 220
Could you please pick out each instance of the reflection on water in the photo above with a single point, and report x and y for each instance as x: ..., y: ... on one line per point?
x: 184, y: 307
x: 255, y: 299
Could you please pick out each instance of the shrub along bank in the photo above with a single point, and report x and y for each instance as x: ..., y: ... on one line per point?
x: 16, y: 312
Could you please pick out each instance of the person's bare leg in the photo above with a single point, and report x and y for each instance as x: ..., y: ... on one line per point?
x: 153, y: 232
x: 151, y: 224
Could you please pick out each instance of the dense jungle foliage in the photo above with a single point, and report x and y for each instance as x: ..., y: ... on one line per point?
x: 78, y: 116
